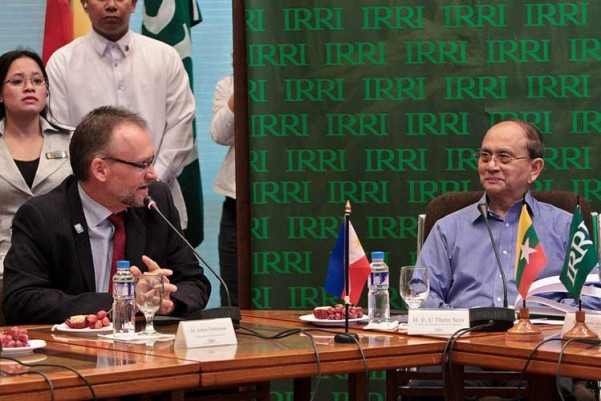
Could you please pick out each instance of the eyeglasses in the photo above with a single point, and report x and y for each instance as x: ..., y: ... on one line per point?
x: 18, y: 82
x: 144, y: 166
x: 503, y: 158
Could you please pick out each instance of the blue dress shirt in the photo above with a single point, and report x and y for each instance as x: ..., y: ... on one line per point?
x: 463, y: 267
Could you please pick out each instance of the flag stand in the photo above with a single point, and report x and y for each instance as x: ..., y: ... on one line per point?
x: 524, y: 330
x: 580, y: 260
x: 580, y: 329
x: 346, y: 337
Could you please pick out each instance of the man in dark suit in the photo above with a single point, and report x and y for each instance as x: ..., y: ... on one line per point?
x: 60, y: 260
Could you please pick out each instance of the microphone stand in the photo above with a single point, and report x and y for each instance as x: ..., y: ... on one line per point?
x: 228, y: 311
x: 346, y: 337
x: 501, y: 318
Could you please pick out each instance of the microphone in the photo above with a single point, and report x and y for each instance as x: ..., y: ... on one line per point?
x: 501, y: 318
x: 224, y: 311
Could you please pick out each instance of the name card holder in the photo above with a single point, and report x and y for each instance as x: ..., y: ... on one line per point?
x: 205, y: 333
x: 437, y: 321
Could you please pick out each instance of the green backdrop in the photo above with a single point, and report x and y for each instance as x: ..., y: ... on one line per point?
x: 383, y: 103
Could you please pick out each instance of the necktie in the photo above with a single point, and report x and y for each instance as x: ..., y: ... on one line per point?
x: 118, y: 244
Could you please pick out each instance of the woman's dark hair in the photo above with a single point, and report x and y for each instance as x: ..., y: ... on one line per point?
x: 6, y: 61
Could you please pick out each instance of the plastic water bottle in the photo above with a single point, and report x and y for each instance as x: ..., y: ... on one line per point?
x: 124, y: 323
x: 378, y: 299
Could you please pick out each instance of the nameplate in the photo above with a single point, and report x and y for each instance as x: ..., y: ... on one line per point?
x: 205, y: 333
x: 437, y: 321
x: 592, y: 320
x: 56, y: 154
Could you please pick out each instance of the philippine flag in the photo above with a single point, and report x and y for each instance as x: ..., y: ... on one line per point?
x: 359, y: 269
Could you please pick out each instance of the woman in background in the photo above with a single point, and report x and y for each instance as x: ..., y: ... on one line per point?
x: 222, y: 132
x: 34, y: 154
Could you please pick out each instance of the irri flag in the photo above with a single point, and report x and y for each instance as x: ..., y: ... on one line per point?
x: 581, y: 256
x: 358, y: 267
x: 530, y: 256
x: 170, y: 21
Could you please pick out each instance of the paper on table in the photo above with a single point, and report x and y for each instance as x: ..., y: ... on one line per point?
x: 382, y: 326
x: 549, y: 306
x: 139, y: 338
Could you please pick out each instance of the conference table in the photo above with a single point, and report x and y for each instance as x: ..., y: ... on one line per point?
x: 143, y: 368
x: 111, y: 372
x: 117, y: 369
x: 580, y: 360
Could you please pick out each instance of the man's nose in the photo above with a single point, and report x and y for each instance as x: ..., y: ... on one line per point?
x: 493, y: 160
x: 151, y: 173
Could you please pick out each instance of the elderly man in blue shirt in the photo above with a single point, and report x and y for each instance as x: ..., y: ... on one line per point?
x: 462, y: 264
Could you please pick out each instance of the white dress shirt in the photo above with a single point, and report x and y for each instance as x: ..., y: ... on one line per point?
x: 136, y: 72
x: 222, y: 132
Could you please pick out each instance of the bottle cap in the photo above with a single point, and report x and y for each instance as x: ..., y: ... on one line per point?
x: 123, y: 264
x: 378, y: 255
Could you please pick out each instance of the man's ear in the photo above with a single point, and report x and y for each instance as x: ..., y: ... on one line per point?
x: 536, y: 166
x: 99, y: 169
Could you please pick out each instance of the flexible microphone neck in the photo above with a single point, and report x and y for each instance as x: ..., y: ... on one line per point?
x: 229, y: 311
x: 492, y: 318
x: 483, y: 208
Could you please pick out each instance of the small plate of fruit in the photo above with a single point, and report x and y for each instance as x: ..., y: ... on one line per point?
x: 86, y: 325
x: 16, y: 342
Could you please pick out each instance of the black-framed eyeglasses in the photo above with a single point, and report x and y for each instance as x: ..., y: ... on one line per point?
x: 144, y: 166
x: 18, y: 82
x: 503, y: 158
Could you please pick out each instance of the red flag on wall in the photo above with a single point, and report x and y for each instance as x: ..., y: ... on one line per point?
x: 58, y: 27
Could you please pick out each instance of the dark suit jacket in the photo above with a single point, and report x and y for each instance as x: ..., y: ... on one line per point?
x: 49, y: 273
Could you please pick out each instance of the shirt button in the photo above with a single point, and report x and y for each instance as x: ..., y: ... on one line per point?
x: 504, y: 252
x: 498, y: 299
x: 506, y: 224
x: 114, y: 65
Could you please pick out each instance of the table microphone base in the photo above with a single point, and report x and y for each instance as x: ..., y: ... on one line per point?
x: 346, y: 338
x: 501, y: 318
x: 215, y: 313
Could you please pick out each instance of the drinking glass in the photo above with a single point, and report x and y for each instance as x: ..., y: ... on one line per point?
x: 149, y: 295
x: 415, y: 285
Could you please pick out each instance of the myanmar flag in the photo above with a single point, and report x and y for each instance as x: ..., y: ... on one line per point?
x: 65, y: 21
x: 530, y: 256
x: 581, y: 257
x: 170, y: 21
x: 359, y: 268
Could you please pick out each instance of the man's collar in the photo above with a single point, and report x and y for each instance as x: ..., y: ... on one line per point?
x: 95, y: 213
x: 102, y: 44
x: 530, y: 202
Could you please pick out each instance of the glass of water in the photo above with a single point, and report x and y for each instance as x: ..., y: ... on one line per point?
x: 415, y: 285
x: 149, y: 295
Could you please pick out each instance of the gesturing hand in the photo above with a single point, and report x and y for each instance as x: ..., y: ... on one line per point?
x: 167, y: 306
